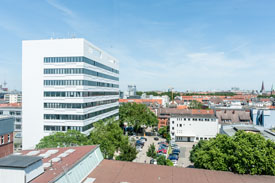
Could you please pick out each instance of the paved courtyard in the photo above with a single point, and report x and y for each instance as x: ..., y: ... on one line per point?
x: 141, y: 156
x: 185, y: 148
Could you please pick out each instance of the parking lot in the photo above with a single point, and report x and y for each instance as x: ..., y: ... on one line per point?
x: 185, y: 148
x: 141, y: 156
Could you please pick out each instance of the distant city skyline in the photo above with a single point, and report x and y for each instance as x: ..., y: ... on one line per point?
x: 188, y: 45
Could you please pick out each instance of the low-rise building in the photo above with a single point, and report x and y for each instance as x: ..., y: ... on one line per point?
x: 230, y: 130
x: 6, y: 136
x: 263, y: 117
x: 227, y: 116
x: 55, y: 165
x: 122, y: 171
x: 14, y: 110
x: 13, y: 98
x: 193, y: 127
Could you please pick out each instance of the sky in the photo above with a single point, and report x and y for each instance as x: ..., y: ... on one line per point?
x: 185, y: 44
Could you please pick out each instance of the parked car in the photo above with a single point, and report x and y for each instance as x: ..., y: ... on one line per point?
x: 163, y: 143
x: 156, y: 138
x: 173, y: 157
x: 153, y: 161
x: 176, y: 151
x: 164, y: 151
x: 143, y: 138
x: 139, y: 142
x: 175, y: 162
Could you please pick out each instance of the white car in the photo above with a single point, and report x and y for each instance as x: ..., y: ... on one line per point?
x: 175, y: 163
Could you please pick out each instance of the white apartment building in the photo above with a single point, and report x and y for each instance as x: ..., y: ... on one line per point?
x: 66, y: 84
x: 193, y: 127
x: 13, y: 98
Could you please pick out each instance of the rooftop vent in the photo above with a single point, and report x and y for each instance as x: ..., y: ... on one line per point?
x: 45, y: 155
x: 32, y: 153
x: 54, y: 160
x: 46, y: 165
x: 69, y: 151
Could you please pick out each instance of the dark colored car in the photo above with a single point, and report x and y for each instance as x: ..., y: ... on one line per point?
x: 173, y: 157
x: 176, y: 151
x: 156, y: 138
x: 143, y: 138
x: 138, y: 142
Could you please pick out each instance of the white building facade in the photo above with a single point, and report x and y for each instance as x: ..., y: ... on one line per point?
x: 67, y: 84
x: 13, y: 98
x: 192, y: 127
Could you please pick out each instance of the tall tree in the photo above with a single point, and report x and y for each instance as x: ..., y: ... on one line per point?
x: 151, y: 151
x: 109, y: 135
x: 137, y: 115
x: 244, y: 153
x: 61, y: 139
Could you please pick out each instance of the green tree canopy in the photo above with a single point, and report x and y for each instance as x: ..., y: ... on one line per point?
x: 109, y: 135
x: 137, y: 115
x: 195, y: 105
x: 244, y: 153
x: 152, y: 151
x: 60, y: 139
x: 164, y: 132
x: 161, y: 160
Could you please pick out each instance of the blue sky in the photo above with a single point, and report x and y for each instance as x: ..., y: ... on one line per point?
x: 185, y: 44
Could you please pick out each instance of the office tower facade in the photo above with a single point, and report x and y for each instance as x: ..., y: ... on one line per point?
x: 67, y: 84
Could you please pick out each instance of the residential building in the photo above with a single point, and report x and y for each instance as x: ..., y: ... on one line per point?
x: 263, y: 117
x: 164, y: 114
x: 13, y: 98
x: 122, y: 171
x: 55, y: 165
x: 230, y: 130
x: 191, y: 127
x: 14, y: 110
x: 72, y: 84
x: 6, y: 136
x: 240, y: 116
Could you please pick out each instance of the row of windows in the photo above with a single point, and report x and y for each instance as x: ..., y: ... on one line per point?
x: 78, y: 105
x: 195, y: 119
x: 79, y: 71
x: 77, y: 117
x: 3, y: 139
x: 79, y: 59
x: 78, y: 128
x: 17, y: 113
x: 78, y: 82
x: 77, y: 94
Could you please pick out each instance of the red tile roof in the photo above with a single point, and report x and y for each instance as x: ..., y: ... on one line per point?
x: 11, y: 105
x: 66, y: 163
x: 118, y: 171
x: 159, y: 101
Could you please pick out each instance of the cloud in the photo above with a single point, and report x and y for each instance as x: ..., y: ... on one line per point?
x: 66, y: 11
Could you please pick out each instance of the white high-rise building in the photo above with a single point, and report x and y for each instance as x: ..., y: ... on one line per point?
x: 66, y: 84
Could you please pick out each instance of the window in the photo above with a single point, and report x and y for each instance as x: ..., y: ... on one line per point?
x: 172, y: 122
x: 188, y: 119
x: 197, y: 138
x: 180, y: 125
x: 2, y: 139
x: 173, y: 128
x: 9, y: 138
x: 184, y: 119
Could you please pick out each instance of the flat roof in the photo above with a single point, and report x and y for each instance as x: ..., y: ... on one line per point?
x: 130, y: 172
x: 18, y: 161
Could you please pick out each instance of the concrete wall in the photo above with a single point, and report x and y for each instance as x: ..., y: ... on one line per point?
x: 11, y: 175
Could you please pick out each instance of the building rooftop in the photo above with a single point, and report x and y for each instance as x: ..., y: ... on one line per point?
x: 230, y: 130
x: 16, y: 161
x: 57, y: 160
x: 129, y: 172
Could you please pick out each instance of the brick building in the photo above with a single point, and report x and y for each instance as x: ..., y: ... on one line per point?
x: 6, y: 135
